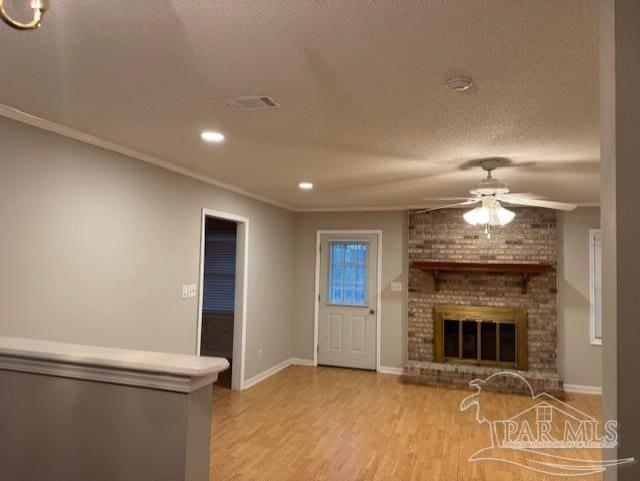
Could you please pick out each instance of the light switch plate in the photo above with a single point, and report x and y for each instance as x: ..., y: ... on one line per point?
x: 192, y: 290
x: 185, y: 291
x: 396, y: 286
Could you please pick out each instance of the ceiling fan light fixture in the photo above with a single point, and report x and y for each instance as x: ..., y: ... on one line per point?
x: 491, y: 213
x: 477, y: 216
x: 504, y: 216
x: 489, y: 192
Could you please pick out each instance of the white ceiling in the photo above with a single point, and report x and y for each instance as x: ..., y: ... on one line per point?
x: 365, y: 114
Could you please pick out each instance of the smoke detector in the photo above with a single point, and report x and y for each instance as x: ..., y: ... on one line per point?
x: 459, y: 84
x: 251, y: 102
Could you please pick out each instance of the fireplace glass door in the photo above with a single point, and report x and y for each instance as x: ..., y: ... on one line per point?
x: 488, y: 336
x: 475, y: 340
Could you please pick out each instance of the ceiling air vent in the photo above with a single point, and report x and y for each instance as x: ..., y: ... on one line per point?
x: 251, y: 102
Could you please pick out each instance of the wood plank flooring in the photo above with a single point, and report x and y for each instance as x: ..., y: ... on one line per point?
x: 326, y: 424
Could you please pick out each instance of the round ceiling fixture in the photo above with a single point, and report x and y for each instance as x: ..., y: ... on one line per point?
x: 305, y: 185
x: 209, y: 136
x: 459, y: 84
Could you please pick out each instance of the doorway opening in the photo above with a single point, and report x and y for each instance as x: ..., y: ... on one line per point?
x: 222, y: 305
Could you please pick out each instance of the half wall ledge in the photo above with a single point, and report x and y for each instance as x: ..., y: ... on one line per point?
x: 90, y: 412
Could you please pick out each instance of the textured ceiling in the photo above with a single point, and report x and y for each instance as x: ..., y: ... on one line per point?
x: 365, y: 114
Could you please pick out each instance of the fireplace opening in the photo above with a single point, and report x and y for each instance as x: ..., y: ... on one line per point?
x: 492, y: 336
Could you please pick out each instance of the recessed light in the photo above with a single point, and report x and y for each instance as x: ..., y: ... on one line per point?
x: 209, y: 136
x: 305, y: 185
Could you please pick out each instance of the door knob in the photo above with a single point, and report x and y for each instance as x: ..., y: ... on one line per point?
x: 371, y: 311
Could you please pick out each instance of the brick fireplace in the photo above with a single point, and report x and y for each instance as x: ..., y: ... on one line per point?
x: 530, y: 242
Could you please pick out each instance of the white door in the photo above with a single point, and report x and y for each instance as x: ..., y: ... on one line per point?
x: 347, y: 317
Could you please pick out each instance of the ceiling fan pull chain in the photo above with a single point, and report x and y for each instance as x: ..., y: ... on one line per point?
x: 38, y: 7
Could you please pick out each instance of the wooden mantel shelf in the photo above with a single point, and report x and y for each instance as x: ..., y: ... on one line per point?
x: 522, y: 269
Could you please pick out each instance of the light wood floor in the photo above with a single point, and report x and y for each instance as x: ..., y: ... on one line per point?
x: 331, y: 424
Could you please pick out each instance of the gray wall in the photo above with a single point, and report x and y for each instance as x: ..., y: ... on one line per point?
x: 394, y: 268
x: 620, y: 176
x: 94, y: 248
x: 59, y: 429
x: 580, y: 362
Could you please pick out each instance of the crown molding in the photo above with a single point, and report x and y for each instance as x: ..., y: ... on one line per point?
x: 386, y: 208
x: 25, y: 118
x: 50, y: 126
x: 392, y: 208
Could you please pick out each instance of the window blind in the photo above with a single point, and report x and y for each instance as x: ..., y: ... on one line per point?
x: 219, y: 272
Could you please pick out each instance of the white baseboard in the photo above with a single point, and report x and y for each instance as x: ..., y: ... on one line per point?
x: 275, y: 370
x: 397, y: 371
x: 297, y: 361
x: 579, y: 389
x: 265, y: 374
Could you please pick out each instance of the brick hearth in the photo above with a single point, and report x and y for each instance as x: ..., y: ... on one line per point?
x: 443, y: 235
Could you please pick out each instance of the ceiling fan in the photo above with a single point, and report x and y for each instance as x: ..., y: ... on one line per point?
x: 490, y: 192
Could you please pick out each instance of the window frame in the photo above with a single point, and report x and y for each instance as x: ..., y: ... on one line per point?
x: 594, y: 235
x: 330, y: 301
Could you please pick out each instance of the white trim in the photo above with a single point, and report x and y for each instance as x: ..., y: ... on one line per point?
x: 396, y: 371
x: 373, y: 208
x: 281, y: 366
x: 266, y: 374
x: 34, y: 121
x: 593, y: 234
x: 297, y: 361
x: 276, y: 369
x: 579, y: 389
x: 316, y: 294
x: 387, y: 208
x: 51, y: 126
x: 242, y: 283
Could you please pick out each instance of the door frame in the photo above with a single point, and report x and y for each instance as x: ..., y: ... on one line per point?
x: 316, y: 297
x: 241, y: 294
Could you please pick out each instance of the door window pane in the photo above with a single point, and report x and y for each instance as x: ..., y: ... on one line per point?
x: 348, y: 272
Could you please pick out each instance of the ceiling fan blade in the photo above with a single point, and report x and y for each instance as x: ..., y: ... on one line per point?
x: 458, y: 204
x: 547, y: 204
x: 445, y: 199
x: 522, y: 195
